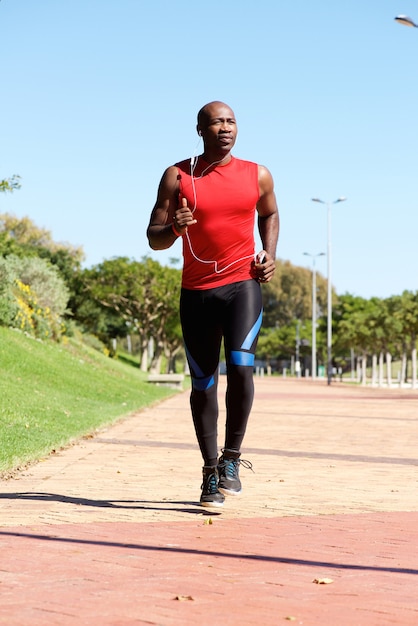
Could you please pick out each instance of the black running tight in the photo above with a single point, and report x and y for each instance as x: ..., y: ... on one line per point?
x: 232, y: 312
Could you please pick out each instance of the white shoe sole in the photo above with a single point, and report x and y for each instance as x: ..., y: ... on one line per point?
x: 210, y: 504
x: 227, y: 492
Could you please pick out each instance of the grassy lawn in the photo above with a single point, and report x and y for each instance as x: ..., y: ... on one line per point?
x: 52, y: 394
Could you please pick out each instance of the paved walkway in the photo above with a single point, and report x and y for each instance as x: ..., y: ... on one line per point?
x: 325, y: 533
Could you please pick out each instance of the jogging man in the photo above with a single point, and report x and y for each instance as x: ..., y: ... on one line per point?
x: 212, y: 201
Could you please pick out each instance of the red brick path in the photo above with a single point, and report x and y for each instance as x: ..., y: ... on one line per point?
x: 109, y: 532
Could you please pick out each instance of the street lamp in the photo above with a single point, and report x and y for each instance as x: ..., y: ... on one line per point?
x: 314, y: 256
x: 406, y: 21
x: 329, y: 307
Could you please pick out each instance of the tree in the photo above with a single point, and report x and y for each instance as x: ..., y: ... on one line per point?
x: 144, y: 295
x: 10, y: 184
x: 350, y: 328
x: 21, y: 237
x: 92, y: 316
x: 280, y: 343
x: 289, y: 295
x: 405, y: 312
x: 371, y: 328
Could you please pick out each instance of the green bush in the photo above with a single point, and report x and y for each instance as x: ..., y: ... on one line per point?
x: 34, y: 297
x: 8, y: 303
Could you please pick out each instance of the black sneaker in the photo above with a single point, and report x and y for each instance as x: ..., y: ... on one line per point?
x: 211, y: 495
x: 228, y: 469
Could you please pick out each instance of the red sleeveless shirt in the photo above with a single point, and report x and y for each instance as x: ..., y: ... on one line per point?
x: 220, y: 248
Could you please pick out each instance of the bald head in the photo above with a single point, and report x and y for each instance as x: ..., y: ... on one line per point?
x: 211, y: 110
x: 217, y: 126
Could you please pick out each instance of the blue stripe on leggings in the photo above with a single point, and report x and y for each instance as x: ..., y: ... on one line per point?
x: 201, y: 384
x: 194, y: 365
x: 248, y: 341
x: 241, y: 358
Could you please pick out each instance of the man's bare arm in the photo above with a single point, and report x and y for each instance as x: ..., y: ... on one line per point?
x: 169, y: 218
x: 268, y: 224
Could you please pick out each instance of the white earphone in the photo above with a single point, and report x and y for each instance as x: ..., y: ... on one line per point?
x: 193, y: 164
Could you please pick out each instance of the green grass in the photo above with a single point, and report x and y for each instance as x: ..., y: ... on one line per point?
x: 52, y: 394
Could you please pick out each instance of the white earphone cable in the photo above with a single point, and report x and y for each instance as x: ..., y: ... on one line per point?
x: 193, y: 164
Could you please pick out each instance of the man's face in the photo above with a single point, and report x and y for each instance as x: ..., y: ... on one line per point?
x: 219, y: 128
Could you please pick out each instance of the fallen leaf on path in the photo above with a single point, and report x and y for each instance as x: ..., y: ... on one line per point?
x: 323, y: 581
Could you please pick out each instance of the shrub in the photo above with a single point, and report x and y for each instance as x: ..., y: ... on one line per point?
x: 34, y: 297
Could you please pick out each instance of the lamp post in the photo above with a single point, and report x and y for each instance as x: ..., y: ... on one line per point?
x: 313, y: 257
x: 329, y: 303
x: 405, y: 20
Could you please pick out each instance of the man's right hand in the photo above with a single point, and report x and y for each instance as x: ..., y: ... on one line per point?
x: 183, y: 217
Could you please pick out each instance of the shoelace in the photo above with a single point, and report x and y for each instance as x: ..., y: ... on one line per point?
x: 231, y: 466
x: 210, y: 484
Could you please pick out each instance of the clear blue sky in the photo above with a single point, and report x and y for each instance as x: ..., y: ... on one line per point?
x: 99, y: 97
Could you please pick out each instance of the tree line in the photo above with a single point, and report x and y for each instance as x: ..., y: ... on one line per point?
x: 45, y: 291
